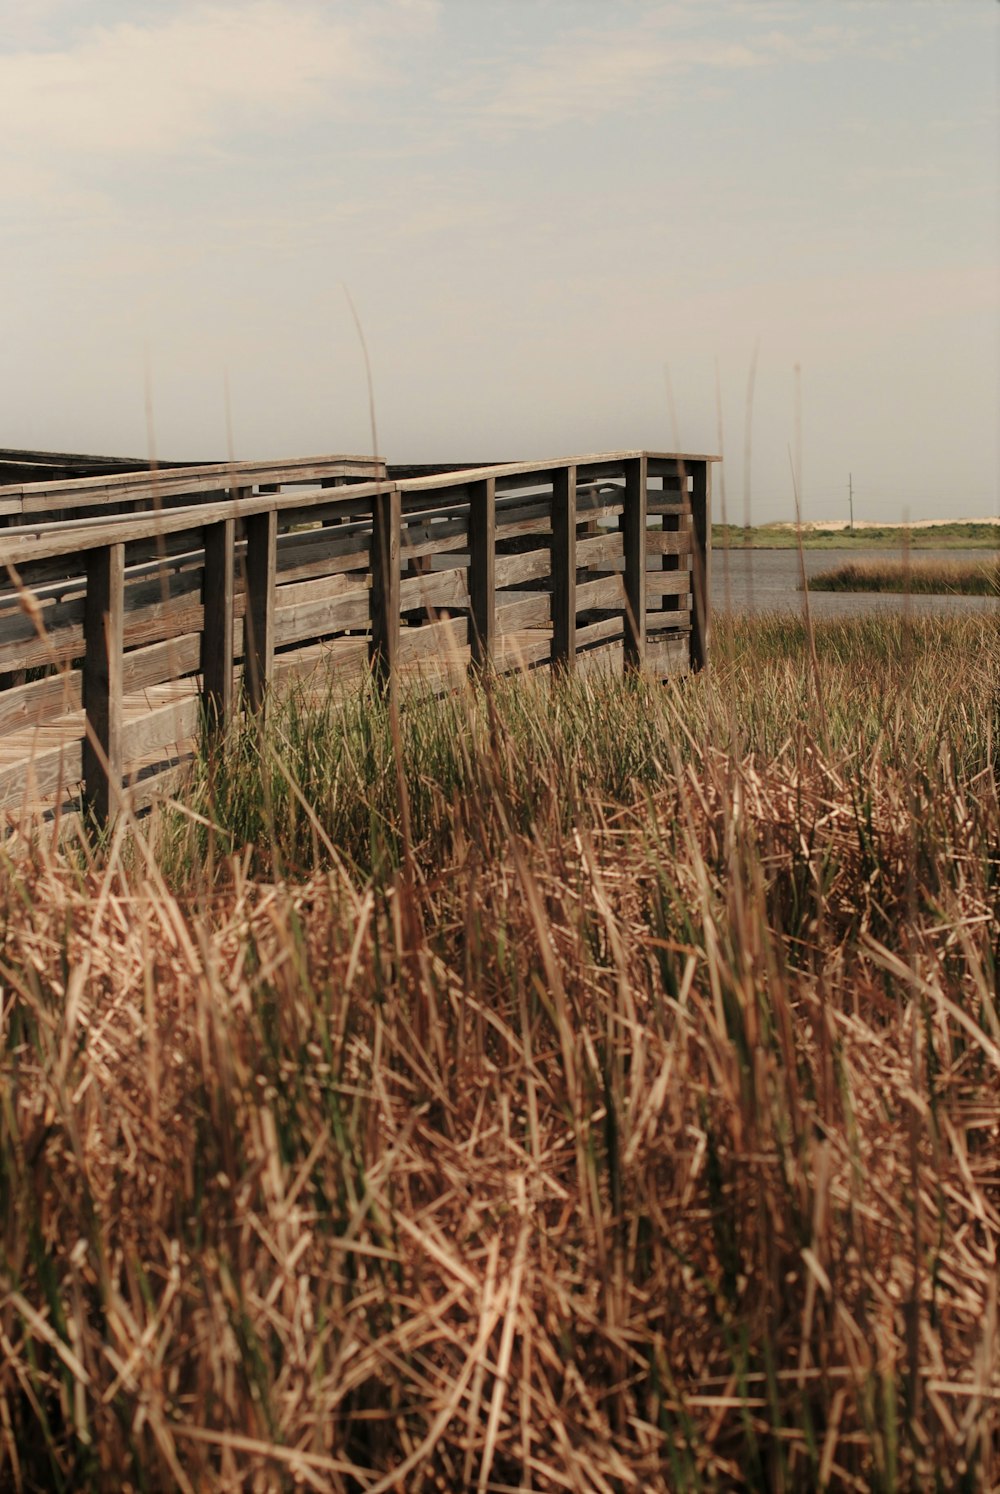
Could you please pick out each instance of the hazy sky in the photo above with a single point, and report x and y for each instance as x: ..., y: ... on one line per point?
x: 547, y: 213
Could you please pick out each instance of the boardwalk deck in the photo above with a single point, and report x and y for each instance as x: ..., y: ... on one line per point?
x: 590, y: 563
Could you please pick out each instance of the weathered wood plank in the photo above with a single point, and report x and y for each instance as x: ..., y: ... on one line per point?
x: 434, y: 539
x: 311, y: 553
x: 482, y: 570
x: 445, y: 640
x: 41, y: 700
x: 598, y: 512
x: 151, y: 486
x: 668, y: 624
x: 322, y: 588
x: 667, y: 656
x: 661, y: 542
x: 439, y: 589
x: 43, y: 774
x: 339, y: 661
x: 307, y: 621
x: 600, y: 550
x: 530, y: 566
x: 172, y: 725
x: 104, y: 614
x: 534, y: 611
x: 667, y: 584
x: 517, y: 651
x: 32, y: 543
x: 597, y: 632
x: 606, y: 592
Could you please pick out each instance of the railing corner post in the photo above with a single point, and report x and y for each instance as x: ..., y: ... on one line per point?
x: 387, y: 518
x: 634, y: 541
x: 217, y: 635
x: 482, y: 571
x: 258, y: 625
x: 564, y: 567
x: 701, y: 562
x: 103, y: 632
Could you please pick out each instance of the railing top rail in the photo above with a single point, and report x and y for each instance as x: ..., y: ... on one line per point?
x: 31, y: 542
x: 153, y: 483
x: 460, y: 478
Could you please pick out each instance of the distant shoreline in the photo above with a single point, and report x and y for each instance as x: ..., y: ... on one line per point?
x: 835, y: 534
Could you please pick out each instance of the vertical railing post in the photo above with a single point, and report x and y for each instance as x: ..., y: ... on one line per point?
x: 701, y: 562
x: 482, y: 570
x: 386, y: 526
x: 634, y: 542
x: 258, y: 620
x: 103, y: 633
x: 564, y: 566
x: 217, y: 626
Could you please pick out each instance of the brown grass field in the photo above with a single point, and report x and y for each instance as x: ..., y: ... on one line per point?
x: 573, y: 1086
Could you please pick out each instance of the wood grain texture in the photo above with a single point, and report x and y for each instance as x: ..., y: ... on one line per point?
x: 534, y: 610
x: 599, y: 550
x: 532, y: 565
x: 606, y: 592
x: 599, y: 632
x: 439, y: 589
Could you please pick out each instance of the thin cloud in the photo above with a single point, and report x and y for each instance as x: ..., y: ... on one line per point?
x: 186, y: 83
x: 593, y: 72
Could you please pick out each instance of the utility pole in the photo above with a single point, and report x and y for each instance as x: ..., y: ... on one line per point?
x: 850, y: 496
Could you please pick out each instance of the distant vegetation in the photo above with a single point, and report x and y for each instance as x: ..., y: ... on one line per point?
x: 918, y: 577
x: 897, y: 537
x: 587, y: 1086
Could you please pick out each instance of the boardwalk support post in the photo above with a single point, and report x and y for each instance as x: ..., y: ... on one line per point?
x: 482, y: 570
x: 103, y: 631
x: 701, y: 562
x: 564, y: 567
x: 386, y: 526
x: 217, y: 628
x: 634, y: 541
x: 262, y: 564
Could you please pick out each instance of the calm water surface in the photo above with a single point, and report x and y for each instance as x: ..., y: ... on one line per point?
x: 767, y: 581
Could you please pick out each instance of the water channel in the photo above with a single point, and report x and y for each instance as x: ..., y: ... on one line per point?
x: 768, y: 581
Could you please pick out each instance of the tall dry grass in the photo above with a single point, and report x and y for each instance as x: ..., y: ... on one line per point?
x: 917, y: 577
x: 624, y: 1115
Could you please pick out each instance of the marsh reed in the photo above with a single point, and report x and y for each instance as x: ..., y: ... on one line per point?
x: 919, y: 577
x: 620, y: 1112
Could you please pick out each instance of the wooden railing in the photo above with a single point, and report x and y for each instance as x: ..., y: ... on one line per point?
x: 122, y: 637
x: 62, y: 499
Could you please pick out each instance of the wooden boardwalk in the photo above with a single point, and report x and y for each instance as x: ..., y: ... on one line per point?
x: 120, y: 633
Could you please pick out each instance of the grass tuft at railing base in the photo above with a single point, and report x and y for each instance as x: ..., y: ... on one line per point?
x: 585, y: 1085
